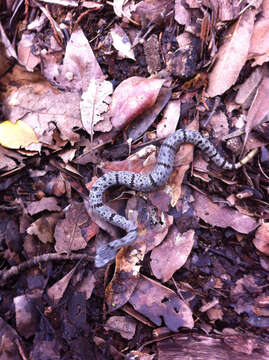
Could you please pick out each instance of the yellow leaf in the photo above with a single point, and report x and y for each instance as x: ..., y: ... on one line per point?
x: 15, y: 136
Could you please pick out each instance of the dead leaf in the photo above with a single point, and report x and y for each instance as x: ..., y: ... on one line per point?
x: 172, y: 254
x: 79, y: 64
x: 121, y: 42
x: 259, y: 48
x: 56, y: 291
x: 16, y: 136
x: 131, y: 98
x: 94, y: 103
x: 158, y: 303
x: 232, y: 55
x: 46, y: 203
x: 222, y: 216
x: 123, y: 325
x: 261, y: 239
x: 25, y: 55
x: 74, y: 232
x: 43, y: 227
x: 44, y: 112
x: 10, y: 342
x: 27, y: 315
x: 121, y: 287
x: 259, y: 107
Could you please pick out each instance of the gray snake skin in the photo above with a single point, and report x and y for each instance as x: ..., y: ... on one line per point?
x: 146, y: 183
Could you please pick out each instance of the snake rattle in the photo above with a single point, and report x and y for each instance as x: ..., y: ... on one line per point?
x: 147, y: 183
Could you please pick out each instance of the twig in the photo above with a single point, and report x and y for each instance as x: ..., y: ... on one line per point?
x: 16, y: 270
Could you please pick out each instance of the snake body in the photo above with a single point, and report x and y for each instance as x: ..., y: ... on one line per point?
x: 146, y: 183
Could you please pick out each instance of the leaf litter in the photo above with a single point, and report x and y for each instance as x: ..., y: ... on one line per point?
x: 95, y: 89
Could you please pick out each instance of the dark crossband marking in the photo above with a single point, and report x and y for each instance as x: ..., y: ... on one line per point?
x: 117, y: 178
x: 98, y: 205
x: 223, y: 162
x: 132, y: 180
x: 111, y: 217
x: 212, y: 156
x: 150, y: 182
x: 170, y: 147
x: 167, y: 166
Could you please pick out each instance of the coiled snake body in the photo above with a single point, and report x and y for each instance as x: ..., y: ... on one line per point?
x: 146, y: 183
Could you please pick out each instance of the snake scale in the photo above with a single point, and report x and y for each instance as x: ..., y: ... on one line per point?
x: 146, y: 183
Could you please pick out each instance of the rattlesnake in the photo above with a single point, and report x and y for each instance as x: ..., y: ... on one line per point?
x: 147, y: 183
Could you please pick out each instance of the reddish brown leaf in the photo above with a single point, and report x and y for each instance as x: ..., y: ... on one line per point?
x: 172, y: 254
x: 261, y: 240
x: 232, y: 55
x: 131, y: 98
x: 222, y: 216
x: 158, y: 302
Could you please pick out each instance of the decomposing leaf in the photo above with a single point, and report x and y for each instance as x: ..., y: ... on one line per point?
x: 172, y: 254
x: 259, y: 108
x: 259, y: 48
x: 122, y: 43
x: 73, y: 232
x: 10, y: 341
x: 222, y: 216
x: 94, y: 103
x: 25, y: 55
x: 131, y: 98
x: 56, y: 291
x: 79, y: 64
x: 27, y: 315
x: 44, y: 112
x: 123, y: 325
x: 43, y: 227
x: 121, y: 288
x: 158, y: 302
x: 261, y: 240
x: 232, y: 55
x: 46, y: 203
x: 18, y: 135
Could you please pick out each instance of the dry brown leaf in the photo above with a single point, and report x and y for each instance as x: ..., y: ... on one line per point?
x: 182, y: 15
x: 56, y: 291
x: 261, y: 240
x: 10, y: 342
x: 43, y: 227
x: 44, y: 112
x: 247, y: 90
x: 158, y: 303
x: 259, y: 43
x: 121, y: 287
x: 121, y: 42
x: 232, y: 55
x: 170, y: 119
x: 27, y: 314
x: 222, y: 216
x: 46, y: 203
x: 79, y: 65
x: 87, y: 285
x: 71, y: 232
x: 131, y: 98
x: 25, y: 55
x: 94, y: 103
x: 124, y: 325
x: 259, y: 108
x: 172, y: 254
